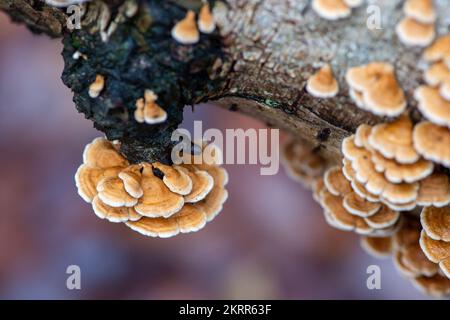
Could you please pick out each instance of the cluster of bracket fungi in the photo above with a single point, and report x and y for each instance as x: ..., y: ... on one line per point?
x: 392, y: 186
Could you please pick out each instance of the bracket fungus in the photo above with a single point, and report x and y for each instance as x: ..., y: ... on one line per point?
x: 323, y: 84
x: 375, y: 88
x: 420, y: 10
x: 433, y: 105
x: 182, y: 200
x: 417, y: 27
x: 432, y: 141
x: 335, y: 9
x: 148, y: 111
x: 409, y: 259
x: 439, y: 50
x: 302, y: 163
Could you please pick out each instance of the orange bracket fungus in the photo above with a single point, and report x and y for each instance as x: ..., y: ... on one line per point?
x: 182, y: 200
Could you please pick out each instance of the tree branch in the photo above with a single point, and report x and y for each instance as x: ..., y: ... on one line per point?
x: 259, y: 65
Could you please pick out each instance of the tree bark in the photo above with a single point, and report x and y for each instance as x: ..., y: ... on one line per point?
x: 269, y: 48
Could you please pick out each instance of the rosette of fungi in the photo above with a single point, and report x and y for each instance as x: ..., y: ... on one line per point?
x: 154, y: 199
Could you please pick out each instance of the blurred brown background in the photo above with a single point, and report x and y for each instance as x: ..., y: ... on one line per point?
x: 270, y: 241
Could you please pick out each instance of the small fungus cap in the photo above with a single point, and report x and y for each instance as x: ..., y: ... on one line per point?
x: 185, y: 31
x: 323, y: 84
x: 414, y: 33
x: 439, y: 50
x: 157, y: 200
x: 331, y: 9
x: 175, y: 178
x: 420, y: 10
x: 394, y: 140
x: 432, y: 141
x: 436, y: 222
x: 206, y: 22
x: 97, y: 86
x: 433, y: 105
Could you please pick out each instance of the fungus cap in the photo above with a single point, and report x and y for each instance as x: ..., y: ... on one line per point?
x: 394, y: 140
x: 362, y: 136
x: 152, y: 112
x: 346, y: 221
x: 100, y: 153
x: 361, y: 77
x: 436, y: 285
x: 437, y: 74
x: 383, y: 218
x: 436, y: 222
x: 397, y: 173
x: 385, y: 97
x: 114, y: 214
x: 439, y: 50
x: 131, y: 178
x: 357, y: 205
x: 444, y: 90
x: 432, y: 142
x: 331, y: 9
x: 414, y: 33
x: 212, y: 204
x: 416, y: 261
x: 157, y: 200
x: 357, y: 98
x: 112, y: 192
x: 206, y: 22
x: 87, y: 179
x: 175, y: 178
x: 420, y: 10
x: 202, y: 183
x: 97, y: 86
x: 336, y: 183
x: 323, y: 84
x: 379, y: 247
x: 188, y: 219
x: 185, y: 31
x: 435, y: 250
x: 377, y: 184
x: 434, y: 191
x: 432, y: 105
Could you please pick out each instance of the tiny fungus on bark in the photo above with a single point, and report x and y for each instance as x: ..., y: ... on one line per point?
x: 186, y: 31
x: 206, y: 23
x: 148, y: 111
x: 323, y: 84
x: 332, y: 9
x: 97, y: 86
